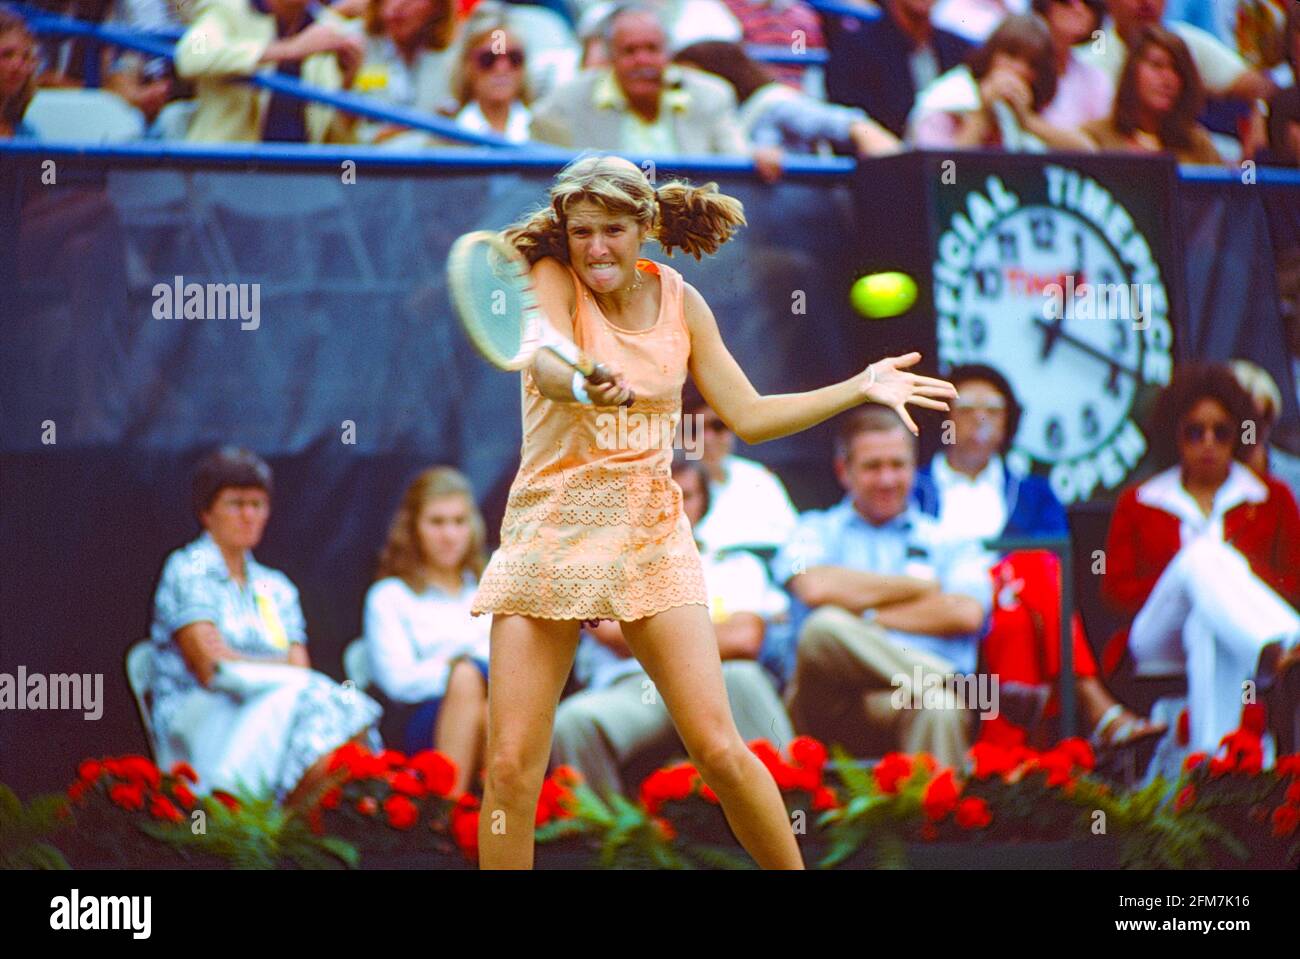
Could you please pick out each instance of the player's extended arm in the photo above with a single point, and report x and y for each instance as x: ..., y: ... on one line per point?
x: 756, y: 419
x: 554, y: 377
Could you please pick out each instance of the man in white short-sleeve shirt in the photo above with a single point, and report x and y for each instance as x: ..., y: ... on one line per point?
x: 898, y: 608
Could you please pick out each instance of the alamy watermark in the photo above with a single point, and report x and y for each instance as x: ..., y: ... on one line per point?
x: 75, y: 912
x: 179, y: 300
x: 83, y: 691
x: 656, y: 431
x: 931, y: 690
x: 1130, y: 302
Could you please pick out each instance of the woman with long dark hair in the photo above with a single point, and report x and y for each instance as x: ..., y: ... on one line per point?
x: 1156, y: 103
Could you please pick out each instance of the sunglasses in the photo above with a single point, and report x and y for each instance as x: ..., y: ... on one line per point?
x: 1195, y: 433
x: 486, y: 59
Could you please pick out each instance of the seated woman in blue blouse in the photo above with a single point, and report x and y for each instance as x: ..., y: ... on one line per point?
x: 233, y: 691
x: 429, y: 656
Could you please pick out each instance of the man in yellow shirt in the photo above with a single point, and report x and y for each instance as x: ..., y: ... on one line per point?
x: 641, y: 103
x: 238, y: 38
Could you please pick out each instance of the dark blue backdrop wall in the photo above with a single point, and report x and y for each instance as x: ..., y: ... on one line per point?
x: 355, y: 332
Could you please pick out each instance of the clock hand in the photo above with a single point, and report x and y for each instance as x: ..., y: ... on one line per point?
x: 1055, y: 330
x: 1051, y: 333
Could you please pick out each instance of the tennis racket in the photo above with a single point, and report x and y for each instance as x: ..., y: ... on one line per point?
x: 497, y: 306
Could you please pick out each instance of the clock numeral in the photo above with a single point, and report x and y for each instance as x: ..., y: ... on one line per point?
x: 1091, y: 422
x: 1078, y: 254
x: 1055, y: 433
x: 1042, y: 230
x: 1008, y: 247
x: 988, y: 282
x: 979, y: 332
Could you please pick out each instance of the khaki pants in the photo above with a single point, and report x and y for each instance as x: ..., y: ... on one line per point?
x: 845, y: 678
x: 600, y: 732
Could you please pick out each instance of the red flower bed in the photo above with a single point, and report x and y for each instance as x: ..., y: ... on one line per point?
x: 689, y: 810
x: 111, y: 796
x: 1259, y: 807
x: 1226, y: 810
x: 385, y: 802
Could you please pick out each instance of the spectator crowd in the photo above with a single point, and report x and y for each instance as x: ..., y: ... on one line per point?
x: 1208, y: 81
x: 869, y: 624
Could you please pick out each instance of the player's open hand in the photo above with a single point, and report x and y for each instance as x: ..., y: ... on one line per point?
x: 888, y: 383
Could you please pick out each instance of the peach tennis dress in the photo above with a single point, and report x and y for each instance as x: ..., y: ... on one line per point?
x: 594, y: 527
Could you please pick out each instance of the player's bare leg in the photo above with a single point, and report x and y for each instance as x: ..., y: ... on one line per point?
x: 679, y: 651
x: 530, y: 661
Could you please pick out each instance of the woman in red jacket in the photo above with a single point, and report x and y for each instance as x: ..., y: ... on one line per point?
x: 1206, y: 555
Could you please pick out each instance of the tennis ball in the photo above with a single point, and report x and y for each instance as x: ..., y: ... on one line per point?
x: 878, y: 295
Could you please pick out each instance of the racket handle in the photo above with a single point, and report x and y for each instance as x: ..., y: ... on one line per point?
x: 600, y: 374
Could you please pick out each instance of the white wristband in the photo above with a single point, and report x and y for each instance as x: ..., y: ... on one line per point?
x: 580, y: 389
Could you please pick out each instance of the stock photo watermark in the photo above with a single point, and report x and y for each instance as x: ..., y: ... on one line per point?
x: 931, y: 690
x: 656, y: 431
x: 1125, y: 302
x: 209, y: 301
x: 75, y: 912
x: 54, y: 691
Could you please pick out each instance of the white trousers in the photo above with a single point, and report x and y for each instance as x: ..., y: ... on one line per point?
x: 1210, y: 615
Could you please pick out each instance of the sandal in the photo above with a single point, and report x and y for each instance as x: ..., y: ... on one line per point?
x: 1115, y: 735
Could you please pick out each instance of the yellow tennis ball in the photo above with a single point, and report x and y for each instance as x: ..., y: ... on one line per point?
x: 878, y: 295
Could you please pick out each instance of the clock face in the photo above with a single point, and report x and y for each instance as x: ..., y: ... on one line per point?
x: 1065, y: 299
x: 1077, y: 377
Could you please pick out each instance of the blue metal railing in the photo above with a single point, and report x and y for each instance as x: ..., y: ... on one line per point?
x: 1265, y: 175
x: 844, y: 10
x: 467, y: 159
x: 766, y: 53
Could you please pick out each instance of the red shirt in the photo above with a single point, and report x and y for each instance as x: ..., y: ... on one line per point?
x: 1146, y: 531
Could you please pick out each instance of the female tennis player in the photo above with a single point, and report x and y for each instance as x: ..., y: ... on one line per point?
x: 596, y: 531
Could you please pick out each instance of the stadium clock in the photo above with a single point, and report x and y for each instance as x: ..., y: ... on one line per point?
x: 1057, y: 287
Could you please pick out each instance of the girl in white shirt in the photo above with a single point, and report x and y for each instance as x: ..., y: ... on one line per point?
x: 427, y: 653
